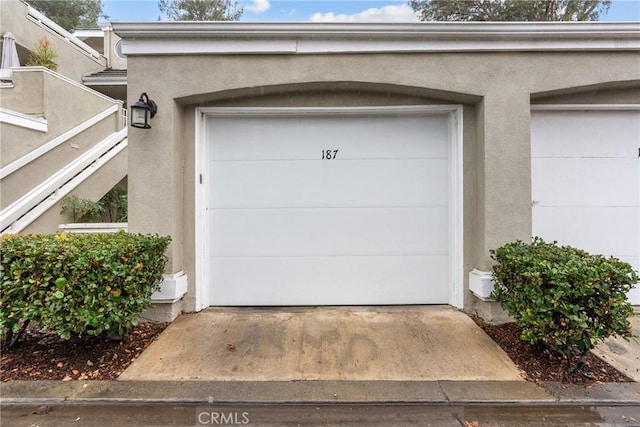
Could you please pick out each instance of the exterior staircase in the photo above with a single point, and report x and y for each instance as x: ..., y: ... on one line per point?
x: 57, y: 136
x: 68, y: 140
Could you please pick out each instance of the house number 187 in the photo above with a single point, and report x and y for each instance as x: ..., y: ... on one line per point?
x: 329, y: 154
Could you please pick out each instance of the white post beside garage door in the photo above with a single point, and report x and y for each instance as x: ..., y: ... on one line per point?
x: 329, y: 206
x: 585, y: 173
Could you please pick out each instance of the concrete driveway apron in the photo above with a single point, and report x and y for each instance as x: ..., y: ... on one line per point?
x: 421, y: 343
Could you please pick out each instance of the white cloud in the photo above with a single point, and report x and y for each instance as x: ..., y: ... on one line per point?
x: 258, y: 6
x: 400, y: 13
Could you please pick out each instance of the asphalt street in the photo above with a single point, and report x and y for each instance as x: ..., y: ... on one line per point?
x: 318, y: 415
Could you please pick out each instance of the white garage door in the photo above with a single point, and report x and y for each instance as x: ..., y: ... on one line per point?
x: 328, y: 209
x: 585, y: 170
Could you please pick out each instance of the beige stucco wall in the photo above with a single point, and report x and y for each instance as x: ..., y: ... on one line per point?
x: 495, y: 88
x: 113, y: 60
x: 44, y: 94
x: 617, y: 93
x: 36, y: 91
x: 65, y: 105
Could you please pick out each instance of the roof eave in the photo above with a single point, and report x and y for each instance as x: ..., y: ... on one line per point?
x: 167, y: 38
x: 377, y: 30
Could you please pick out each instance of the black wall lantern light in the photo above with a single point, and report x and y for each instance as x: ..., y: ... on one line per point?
x: 142, y: 112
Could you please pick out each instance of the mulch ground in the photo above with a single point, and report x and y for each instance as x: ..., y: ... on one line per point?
x: 539, y: 364
x: 45, y: 356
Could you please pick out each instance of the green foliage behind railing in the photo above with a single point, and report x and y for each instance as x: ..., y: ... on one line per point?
x: 82, y: 210
x: 111, y: 208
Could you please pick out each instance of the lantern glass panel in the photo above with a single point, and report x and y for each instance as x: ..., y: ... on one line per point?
x: 138, y: 116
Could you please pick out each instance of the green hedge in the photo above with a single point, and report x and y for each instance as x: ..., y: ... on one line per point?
x: 78, y: 283
x: 563, y: 297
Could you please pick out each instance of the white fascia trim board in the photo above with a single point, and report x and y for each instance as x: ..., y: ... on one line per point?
x: 151, y: 29
x: 172, y: 288
x: 163, y: 46
x: 456, y: 280
x: 166, y: 38
x: 23, y: 120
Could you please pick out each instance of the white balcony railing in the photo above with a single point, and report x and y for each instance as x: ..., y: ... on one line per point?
x: 39, y: 19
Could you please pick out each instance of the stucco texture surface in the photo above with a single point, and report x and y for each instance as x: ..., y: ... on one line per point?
x: 496, y: 90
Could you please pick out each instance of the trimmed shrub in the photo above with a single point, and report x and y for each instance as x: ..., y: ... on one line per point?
x: 78, y: 283
x: 563, y: 297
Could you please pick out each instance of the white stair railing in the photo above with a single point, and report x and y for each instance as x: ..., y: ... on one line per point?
x: 29, y: 207
x: 27, y: 121
x: 42, y: 21
x: 45, y: 148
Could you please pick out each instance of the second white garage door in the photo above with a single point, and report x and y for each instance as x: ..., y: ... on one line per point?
x: 328, y: 209
x: 585, y: 173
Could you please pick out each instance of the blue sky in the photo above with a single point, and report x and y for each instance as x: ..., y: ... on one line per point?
x: 323, y: 11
